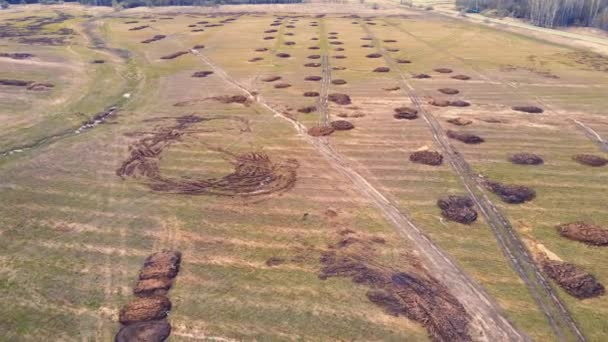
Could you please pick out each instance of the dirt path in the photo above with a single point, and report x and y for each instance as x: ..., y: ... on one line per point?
x: 323, y: 107
x: 486, y: 316
x: 593, y: 135
x: 512, y: 246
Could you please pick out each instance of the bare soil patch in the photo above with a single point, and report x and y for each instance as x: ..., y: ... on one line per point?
x: 268, y: 38
x: 587, y: 233
x: 374, y: 55
x: 439, y: 103
x: 432, y: 158
x: 528, y: 109
x: 314, y: 48
x: 573, y: 279
x: 271, y: 31
x: 403, y: 61
x: 449, y: 91
x: 318, y: 131
x: 175, y: 55
x: 15, y: 83
x: 341, y: 99
x: 459, y: 121
x: 198, y: 47
x: 274, y: 261
x: 339, y: 57
x: 137, y: 28
x: 255, y: 59
x: 421, y: 76
x: 458, y: 209
x: 590, y: 160
x: 313, y: 78
x: 98, y: 61
x: 444, y: 70
x: 152, y: 286
x: 338, y: 68
x: 461, y: 77
x: 271, y: 78
x: 389, y: 41
x: 511, y: 193
x: 283, y: 55
x: 312, y: 65
x: 339, y: 49
x: 290, y: 43
x: 342, y: 125
x: 282, y: 85
x: 392, y: 88
x: 308, y: 109
x: 311, y: 94
x: 314, y: 57
x: 406, y: 113
x: 40, y: 86
x: 145, y: 309
x: 367, y: 46
x: 16, y: 55
x: 392, y: 50
x: 459, y: 103
x: 202, y: 74
x: 526, y: 159
x: 467, y: 138
x: 382, y: 69
x: 261, y: 49
x: 338, y: 82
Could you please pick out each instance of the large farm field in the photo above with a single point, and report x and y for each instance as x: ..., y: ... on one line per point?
x: 314, y: 172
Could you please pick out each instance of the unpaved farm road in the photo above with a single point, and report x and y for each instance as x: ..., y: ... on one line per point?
x: 593, y: 135
x: 487, y: 322
x: 511, y: 245
x: 322, y: 106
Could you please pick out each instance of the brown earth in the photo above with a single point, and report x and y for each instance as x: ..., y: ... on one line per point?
x: 282, y: 85
x: 137, y: 28
x: 283, y: 55
x: 415, y: 295
x: 314, y: 57
x: 336, y: 43
x: 392, y: 50
x: 311, y: 94
x: 338, y: 82
x: 590, y: 160
x: 342, y: 125
x: 574, y: 280
x: 405, y: 113
x: 261, y: 49
x: 341, y: 99
x: 16, y: 55
x: 458, y: 121
x: 389, y: 41
x: 449, y: 91
x: 367, y: 46
x: 163, y: 264
x: 148, y: 331
x: 290, y: 43
x: 458, y: 209
x: 421, y: 76
x: 528, y: 109
x: 443, y: 70
x: 587, y: 233
x: 202, y: 74
x: 392, y: 88
x: 40, y: 86
x: 339, y: 57
x: 175, y: 55
x: 152, y: 286
x: 198, y: 46
x: 307, y: 109
x: 338, y: 68
x: 459, y: 103
x: 256, y: 59
x: 382, y: 69
x: 313, y: 78
x: 153, y: 39
x: 464, y: 137
x: 511, y: 193
x: 426, y: 157
x: 461, y: 77
x: 274, y: 261
x: 227, y: 99
x: 314, y: 48
x: 526, y: 159
x: 271, y: 31
x: 312, y: 65
x: 403, y: 61
x: 15, y: 83
x: 98, y: 61
x: 271, y: 78
x: 374, y: 55
x: 318, y: 131
x: 439, y: 103
x: 145, y: 309
x: 268, y: 38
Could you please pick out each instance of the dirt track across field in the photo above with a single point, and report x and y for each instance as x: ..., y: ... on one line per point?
x: 486, y: 316
x: 512, y: 246
x: 593, y: 135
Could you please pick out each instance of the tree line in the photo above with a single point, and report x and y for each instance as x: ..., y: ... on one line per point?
x: 546, y: 13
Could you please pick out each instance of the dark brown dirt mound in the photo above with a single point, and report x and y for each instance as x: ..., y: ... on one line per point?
x: 261, y: 49
x: 459, y: 103
x: 152, y: 286
x: 338, y: 68
x: 459, y: 121
x: 392, y: 88
x: 289, y: 34
x: 339, y: 57
x: 336, y: 43
x: 256, y: 59
x: 389, y: 41
x: 282, y: 85
x: 366, y: 38
x: 312, y: 65
x: 461, y: 77
x: 367, y: 46
x: 416, y: 296
x: 590, y: 160
x: 271, y: 31
x: 16, y: 55
x: 98, y: 61
x: 528, y: 109
x: 458, y: 209
x: 175, y: 55
x: 590, y: 234
x: 575, y: 281
x: 464, y: 137
x: 283, y: 55
x: 150, y: 331
x: 153, y: 39
x: 439, y: 103
x: 314, y: 38
x: 318, y: 131
x: 307, y: 109
x: 145, y: 309
x: 526, y: 159
x: 227, y: 99
x: 443, y: 70
x: 338, y: 82
x: 314, y: 57
x: 137, y: 28
x: 311, y: 94
x: 405, y: 113
x: 374, y: 55
x: 403, y: 61
x: 392, y: 50
x: 314, y: 48
x: 163, y: 264
x: 341, y: 99
x: 382, y: 69
x: 426, y: 157
x: 268, y: 38
x: 449, y: 91
x: 342, y: 125
x: 511, y: 193
x: 290, y: 26
x: 271, y: 78
x: 313, y: 78
x: 339, y: 49
x: 290, y: 43
x: 202, y: 73
x: 421, y: 76
x: 198, y: 46
x: 198, y: 30
x: 274, y: 261
x: 15, y: 83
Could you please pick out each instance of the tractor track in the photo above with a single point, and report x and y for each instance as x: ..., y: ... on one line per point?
x: 486, y: 319
x: 512, y: 246
x: 322, y: 106
x: 593, y: 135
